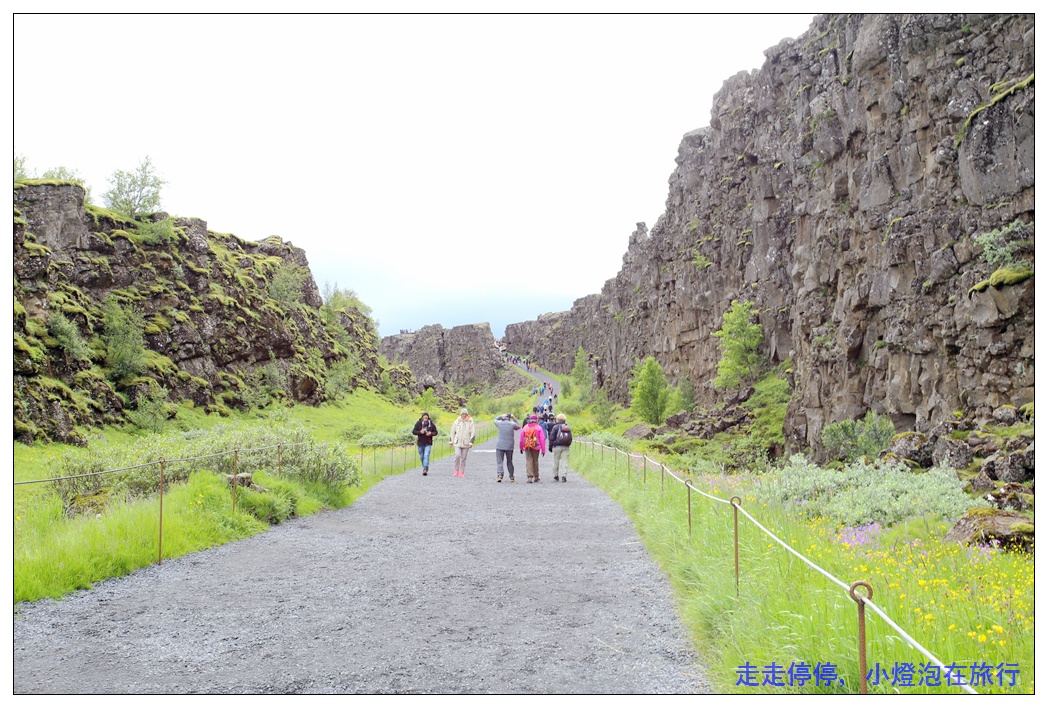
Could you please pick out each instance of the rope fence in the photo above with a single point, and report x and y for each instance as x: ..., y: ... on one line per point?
x: 397, y: 457
x: 736, y: 503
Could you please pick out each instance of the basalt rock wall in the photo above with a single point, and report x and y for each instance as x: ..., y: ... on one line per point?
x: 842, y: 187
x: 212, y: 333
x: 463, y: 355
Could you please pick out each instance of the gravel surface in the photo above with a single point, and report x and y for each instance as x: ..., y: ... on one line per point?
x: 426, y: 584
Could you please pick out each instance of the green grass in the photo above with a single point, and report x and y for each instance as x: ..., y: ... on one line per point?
x: 962, y: 604
x: 55, y: 554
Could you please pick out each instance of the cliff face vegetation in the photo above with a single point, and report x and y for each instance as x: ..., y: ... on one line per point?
x: 871, y: 190
x: 223, y: 322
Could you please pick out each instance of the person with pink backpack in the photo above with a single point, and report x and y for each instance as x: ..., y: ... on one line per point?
x: 532, y: 443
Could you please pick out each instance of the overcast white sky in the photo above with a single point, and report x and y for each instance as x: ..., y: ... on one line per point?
x: 451, y: 169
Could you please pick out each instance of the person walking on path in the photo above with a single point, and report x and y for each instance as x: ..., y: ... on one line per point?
x: 560, y: 438
x: 463, y: 434
x: 532, y: 443
x: 425, y: 430
x: 503, y: 448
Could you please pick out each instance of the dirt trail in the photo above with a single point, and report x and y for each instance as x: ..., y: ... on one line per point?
x: 425, y: 585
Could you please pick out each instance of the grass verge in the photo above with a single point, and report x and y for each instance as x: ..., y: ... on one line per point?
x: 967, y: 606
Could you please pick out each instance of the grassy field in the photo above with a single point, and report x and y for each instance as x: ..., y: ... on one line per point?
x: 969, y: 606
x: 56, y: 552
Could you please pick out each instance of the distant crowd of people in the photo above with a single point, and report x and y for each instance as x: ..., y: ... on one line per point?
x: 542, y: 431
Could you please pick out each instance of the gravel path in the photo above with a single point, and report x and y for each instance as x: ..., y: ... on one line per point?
x: 425, y: 585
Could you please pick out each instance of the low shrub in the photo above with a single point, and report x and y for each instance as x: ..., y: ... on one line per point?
x: 863, y: 492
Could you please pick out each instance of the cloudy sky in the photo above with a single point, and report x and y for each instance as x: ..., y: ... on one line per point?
x: 450, y: 169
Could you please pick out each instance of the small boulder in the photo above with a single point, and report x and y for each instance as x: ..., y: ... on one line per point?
x: 1014, y: 497
x: 982, y: 482
x: 1012, y: 468
x: 952, y: 453
x: 988, y: 526
x: 638, y: 431
x: 914, y: 446
x: 1005, y: 415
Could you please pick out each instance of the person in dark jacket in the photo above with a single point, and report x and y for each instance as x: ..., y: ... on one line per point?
x: 425, y: 430
x: 560, y: 438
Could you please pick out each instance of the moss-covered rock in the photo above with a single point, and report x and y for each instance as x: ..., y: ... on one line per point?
x: 989, y: 526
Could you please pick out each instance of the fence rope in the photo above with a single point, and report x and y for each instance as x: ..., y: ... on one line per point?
x: 913, y: 643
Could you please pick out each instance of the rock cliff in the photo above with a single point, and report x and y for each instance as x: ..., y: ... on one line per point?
x: 462, y: 356
x: 871, y: 189
x: 212, y: 332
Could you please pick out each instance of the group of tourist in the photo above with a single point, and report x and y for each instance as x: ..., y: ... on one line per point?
x: 536, y: 437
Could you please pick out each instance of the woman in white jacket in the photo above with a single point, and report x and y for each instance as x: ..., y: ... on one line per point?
x: 463, y: 434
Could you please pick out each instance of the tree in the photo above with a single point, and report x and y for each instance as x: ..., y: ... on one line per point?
x: 135, y: 193
x: 581, y: 375
x: 683, y: 397
x: 739, y: 338
x: 124, y: 339
x: 67, y: 334
x: 603, y: 410
x: 336, y: 299
x: 650, y: 390
x: 21, y: 168
x: 285, y: 287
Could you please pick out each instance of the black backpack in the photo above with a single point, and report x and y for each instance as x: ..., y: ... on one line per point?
x: 564, y: 438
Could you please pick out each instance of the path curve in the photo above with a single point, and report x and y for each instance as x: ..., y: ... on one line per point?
x: 425, y: 585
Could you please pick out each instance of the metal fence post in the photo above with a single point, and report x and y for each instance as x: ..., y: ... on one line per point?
x: 160, y: 539
x: 862, y: 667
x: 279, y: 466
x: 688, y: 485
x: 236, y: 459
x: 645, y: 470
x: 734, y: 504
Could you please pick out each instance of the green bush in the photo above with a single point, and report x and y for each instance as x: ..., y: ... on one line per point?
x: 331, y: 464
x: 67, y: 335
x: 863, y: 493
x: 848, y: 440
x: 382, y: 438
x: 123, y: 335
x: 285, y: 287
x: 158, y: 232
x: 151, y: 411
x: 1001, y: 246
x: 611, y: 440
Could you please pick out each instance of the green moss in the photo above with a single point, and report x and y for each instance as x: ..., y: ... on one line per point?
x: 979, y: 287
x: 1008, y: 276
x: 35, y: 327
x: 35, y: 249
x: 995, y: 99
x: 1027, y: 410
x: 158, y: 362
x: 97, y: 213
x: 1022, y: 527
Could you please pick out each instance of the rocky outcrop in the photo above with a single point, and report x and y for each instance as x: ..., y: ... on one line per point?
x: 464, y: 356
x: 212, y: 333
x: 988, y: 526
x: 843, y: 188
